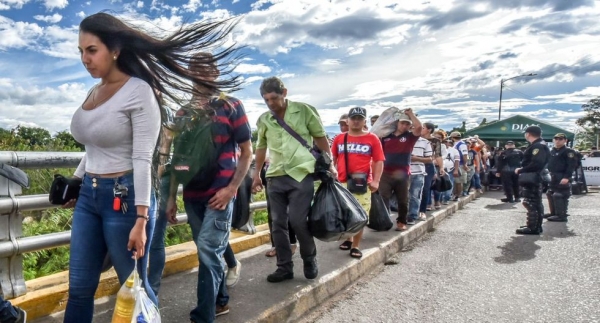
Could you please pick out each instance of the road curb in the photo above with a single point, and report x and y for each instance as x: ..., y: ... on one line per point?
x: 315, y: 294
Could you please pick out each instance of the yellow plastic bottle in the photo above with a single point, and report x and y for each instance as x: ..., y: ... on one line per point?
x: 125, y: 303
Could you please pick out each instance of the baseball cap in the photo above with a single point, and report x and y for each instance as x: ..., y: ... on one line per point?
x: 510, y: 142
x: 357, y: 111
x: 455, y: 134
x: 343, y: 118
x: 404, y: 117
x: 534, y: 130
x: 560, y: 135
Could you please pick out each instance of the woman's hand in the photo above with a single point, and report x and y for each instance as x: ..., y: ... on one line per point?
x: 137, y: 238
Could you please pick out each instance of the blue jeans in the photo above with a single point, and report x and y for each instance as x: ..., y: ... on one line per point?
x: 229, y: 257
x: 97, y: 230
x: 157, y: 244
x: 476, y: 181
x: 426, y: 195
x: 447, y: 195
x: 210, y: 230
x: 7, y: 311
x: 414, y: 195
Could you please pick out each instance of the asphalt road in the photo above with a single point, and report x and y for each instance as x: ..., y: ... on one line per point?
x: 474, y: 268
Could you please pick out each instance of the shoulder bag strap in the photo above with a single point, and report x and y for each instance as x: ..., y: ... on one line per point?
x: 291, y: 131
x: 346, y: 155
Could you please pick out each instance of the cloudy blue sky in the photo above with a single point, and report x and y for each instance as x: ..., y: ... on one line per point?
x: 443, y: 58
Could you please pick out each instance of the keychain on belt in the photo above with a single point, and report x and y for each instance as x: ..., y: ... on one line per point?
x: 120, y: 192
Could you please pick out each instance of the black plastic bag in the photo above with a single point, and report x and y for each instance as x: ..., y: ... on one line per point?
x: 379, y: 215
x: 335, y: 213
x: 241, y: 205
x: 442, y: 184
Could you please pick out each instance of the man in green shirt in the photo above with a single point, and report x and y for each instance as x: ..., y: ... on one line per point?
x: 291, y: 186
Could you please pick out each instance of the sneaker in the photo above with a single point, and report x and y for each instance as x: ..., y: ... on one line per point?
x: 480, y: 191
x: 410, y: 222
x: 233, y: 274
x: 422, y: 217
x: 445, y: 203
x: 21, y: 315
x: 222, y: 310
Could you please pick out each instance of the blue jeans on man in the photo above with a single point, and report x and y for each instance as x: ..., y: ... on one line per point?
x: 210, y: 231
x: 97, y: 229
x: 8, y: 313
x: 426, y: 195
x: 157, y: 245
x: 415, y: 191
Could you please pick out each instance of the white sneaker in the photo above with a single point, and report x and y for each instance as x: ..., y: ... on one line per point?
x: 233, y: 274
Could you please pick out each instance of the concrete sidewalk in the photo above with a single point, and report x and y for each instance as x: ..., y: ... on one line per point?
x: 254, y: 299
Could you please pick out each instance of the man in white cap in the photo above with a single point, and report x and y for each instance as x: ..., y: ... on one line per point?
x: 398, y: 147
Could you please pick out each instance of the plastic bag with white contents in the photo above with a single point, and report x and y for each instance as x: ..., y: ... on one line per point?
x: 145, y: 311
x: 386, y: 123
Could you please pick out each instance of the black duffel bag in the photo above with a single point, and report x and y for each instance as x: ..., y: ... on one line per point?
x: 442, y: 184
x: 335, y: 213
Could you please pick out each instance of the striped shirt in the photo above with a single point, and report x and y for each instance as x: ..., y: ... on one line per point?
x: 422, y: 148
x: 232, y: 128
x: 397, y: 150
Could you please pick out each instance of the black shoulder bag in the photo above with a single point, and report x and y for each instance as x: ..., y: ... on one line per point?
x: 356, y: 182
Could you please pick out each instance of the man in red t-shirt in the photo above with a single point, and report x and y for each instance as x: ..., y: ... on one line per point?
x: 365, y: 165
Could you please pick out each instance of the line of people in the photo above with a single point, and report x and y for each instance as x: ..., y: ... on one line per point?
x: 130, y: 146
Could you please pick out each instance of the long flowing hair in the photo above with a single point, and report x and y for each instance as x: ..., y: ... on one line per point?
x: 164, y: 62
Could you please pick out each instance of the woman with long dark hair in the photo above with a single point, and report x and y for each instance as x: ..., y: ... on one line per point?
x: 119, y: 124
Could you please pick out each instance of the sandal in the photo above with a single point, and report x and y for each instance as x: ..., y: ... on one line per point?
x: 355, y: 253
x: 346, y: 245
x: 271, y: 253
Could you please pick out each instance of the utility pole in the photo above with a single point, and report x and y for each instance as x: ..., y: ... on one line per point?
x: 502, y: 81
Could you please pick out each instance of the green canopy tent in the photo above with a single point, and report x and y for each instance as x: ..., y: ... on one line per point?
x: 512, y: 129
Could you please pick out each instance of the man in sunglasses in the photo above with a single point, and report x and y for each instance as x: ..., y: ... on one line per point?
x: 561, y: 165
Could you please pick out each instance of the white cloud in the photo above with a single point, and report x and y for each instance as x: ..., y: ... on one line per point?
x: 331, y: 61
x: 17, y: 4
x: 252, y: 69
x: 50, y: 19
x: 56, y: 4
x: 17, y: 34
x: 140, y: 4
x: 253, y: 79
x: 287, y: 75
x: 192, y: 5
x: 80, y: 14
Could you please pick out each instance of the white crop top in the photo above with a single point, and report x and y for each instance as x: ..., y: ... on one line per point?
x: 121, y: 135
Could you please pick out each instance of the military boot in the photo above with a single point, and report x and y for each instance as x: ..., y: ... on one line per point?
x: 560, y: 208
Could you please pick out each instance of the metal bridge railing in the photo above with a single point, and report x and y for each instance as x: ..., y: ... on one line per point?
x: 12, y: 244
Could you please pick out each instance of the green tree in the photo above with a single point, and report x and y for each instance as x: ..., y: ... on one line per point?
x: 34, y: 135
x: 590, y: 123
x: 65, y: 139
